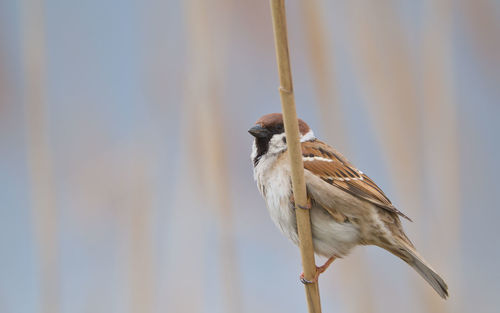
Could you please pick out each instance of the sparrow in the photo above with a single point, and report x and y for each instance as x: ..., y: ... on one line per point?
x: 347, y: 208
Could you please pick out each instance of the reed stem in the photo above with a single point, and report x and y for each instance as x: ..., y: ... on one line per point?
x: 295, y: 153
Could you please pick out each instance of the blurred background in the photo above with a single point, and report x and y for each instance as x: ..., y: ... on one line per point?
x: 126, y: 183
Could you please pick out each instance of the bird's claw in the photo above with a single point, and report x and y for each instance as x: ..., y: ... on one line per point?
x: 305, y: 281
x: 303, y: 207
x: 306, y: 207
x: 319, y: 270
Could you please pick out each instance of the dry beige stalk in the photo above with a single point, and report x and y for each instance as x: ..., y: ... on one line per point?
x: 295, y: 153
x: 441, y: 137
x: 39, y: 156
x: 385, y: 67
x: 318, y: 43
x: 205, y: 103
x: 334, y: 129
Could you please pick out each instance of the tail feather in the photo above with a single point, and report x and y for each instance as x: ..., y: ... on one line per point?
x: 410, y: 256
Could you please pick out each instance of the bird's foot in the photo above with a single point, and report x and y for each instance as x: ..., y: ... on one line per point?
x: 306, y: 207
x: 319, y: 270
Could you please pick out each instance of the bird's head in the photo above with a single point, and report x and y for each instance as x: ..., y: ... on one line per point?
x: 269, y: 133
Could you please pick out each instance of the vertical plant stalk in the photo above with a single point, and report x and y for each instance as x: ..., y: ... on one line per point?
x: 384, y: 60
x: 481, y: 26
x: 141, y: 261
x: 440, y: 120
x: 39, y: 155
x: 321, y: 52
x: 208, y: 40
x: 321, y: 60
x: 295, y: 153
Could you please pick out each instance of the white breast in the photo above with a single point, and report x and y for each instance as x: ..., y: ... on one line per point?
x: 274, y: 184
x: 329, y: 237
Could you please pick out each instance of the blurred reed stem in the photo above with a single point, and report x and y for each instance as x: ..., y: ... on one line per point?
x: 482, y: 26
x: 384, y: 66
x: 384, y: 63
x: 321, y: 59
x: 391, y: 97
x: 440, y: 129
x: 207, y: 40
x: 218, y: 190
x: 295, y: 153
x: 38, y: 154
x: 141, y: 263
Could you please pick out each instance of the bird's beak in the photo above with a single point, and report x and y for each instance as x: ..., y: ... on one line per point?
x: 258, y: 131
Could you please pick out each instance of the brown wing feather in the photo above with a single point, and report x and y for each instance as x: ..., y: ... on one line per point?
x: 331, y: 166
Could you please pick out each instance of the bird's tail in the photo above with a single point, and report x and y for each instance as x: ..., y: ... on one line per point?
x: 408, y: 254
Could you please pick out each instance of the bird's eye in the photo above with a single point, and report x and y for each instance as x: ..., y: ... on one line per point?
x: 284, y: 139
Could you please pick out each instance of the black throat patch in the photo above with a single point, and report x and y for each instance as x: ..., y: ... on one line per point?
x: 262, y: 143
x: 262, y: 147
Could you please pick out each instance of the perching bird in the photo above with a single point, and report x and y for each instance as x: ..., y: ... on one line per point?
x: 346, y: 207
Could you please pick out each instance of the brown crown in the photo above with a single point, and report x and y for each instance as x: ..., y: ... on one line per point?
x: 275, y: 119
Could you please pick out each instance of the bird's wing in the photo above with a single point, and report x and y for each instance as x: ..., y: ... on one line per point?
x: 332, y: 167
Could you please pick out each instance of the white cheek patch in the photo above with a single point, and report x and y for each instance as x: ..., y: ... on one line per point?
x: 277, y: 144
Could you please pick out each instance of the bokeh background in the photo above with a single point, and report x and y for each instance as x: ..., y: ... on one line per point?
x: 126, y: 183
